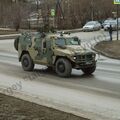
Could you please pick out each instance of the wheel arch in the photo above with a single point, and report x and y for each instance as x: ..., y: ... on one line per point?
x: 16, y: 42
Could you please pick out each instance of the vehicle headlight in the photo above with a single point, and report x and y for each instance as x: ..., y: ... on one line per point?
x: 74, y: 57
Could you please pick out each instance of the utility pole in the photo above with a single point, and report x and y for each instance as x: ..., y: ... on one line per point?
x: 117, y: 3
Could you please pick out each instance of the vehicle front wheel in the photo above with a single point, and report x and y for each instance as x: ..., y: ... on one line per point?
x: 27, y: 62
x: 63, y: 67
x: 89, y: 70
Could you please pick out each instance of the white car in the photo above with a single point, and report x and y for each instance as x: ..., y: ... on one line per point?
x: 92, y: 26
x: 113, y: 23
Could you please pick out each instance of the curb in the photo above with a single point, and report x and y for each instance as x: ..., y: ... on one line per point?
x: 13, y: 36
x: 71, y: 31
x: 8, y: 36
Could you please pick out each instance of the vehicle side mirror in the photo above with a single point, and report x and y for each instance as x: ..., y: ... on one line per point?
x: 79, y: 42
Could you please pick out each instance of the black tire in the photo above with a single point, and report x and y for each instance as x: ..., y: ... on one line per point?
x: 89, y: 70
x: 49, y: 68
x: 27, y: 63
x: 63, y: 67
x: 16, y: 42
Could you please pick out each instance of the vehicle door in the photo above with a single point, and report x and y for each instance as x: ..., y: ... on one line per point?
x: 35, y: 48
x: 42, y: 51
x: 49, y: 51
x: 46, y: 52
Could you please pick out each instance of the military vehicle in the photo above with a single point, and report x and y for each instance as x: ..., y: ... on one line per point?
x: 60, y: 52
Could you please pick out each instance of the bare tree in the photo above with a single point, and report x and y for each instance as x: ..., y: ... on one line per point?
x: 76, y: 12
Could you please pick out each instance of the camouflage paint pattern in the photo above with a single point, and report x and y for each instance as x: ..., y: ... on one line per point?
x: 44, y: 50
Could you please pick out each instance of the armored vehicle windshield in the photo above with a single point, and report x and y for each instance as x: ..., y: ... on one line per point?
x: 67, y: 41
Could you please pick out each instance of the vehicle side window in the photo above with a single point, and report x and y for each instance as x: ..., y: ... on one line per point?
x: 60, y: 42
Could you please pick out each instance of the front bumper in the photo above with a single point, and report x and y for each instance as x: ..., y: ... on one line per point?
x: 84, y: 64
x: 88, y: 29
x: 82, y: 61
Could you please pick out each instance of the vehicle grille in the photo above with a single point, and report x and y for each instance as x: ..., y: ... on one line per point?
x: 84, y: 58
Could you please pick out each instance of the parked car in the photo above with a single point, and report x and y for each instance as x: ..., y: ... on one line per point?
x: 110, y: 18
x: 113, y: 23
x: 107, y: 22
x: 92, y: 26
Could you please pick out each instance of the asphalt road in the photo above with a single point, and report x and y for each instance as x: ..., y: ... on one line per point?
x: 96, y: 97
x: 88, y: 36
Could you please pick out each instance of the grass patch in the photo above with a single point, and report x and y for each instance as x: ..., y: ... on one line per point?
x: 111, y: 49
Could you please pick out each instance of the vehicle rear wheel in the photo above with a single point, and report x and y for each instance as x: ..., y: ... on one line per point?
x: 27, y: 62
x: 63, y: 67
x: 89, y: 70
